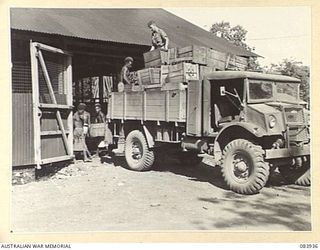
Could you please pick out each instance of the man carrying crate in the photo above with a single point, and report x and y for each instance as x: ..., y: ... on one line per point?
x: 125, y: 81
x: 81, y: 121
x: 100, y: 132
x: 159, y: 38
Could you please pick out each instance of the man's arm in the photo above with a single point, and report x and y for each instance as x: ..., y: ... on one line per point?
x: 152, y: 48
x: 103, y: 117
x: 165, y: 37
x: 86, y: 123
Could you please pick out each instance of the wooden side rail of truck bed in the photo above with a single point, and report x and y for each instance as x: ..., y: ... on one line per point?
x: 149, y: 105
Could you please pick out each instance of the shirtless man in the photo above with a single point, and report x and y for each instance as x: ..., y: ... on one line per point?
x: 81, y: 121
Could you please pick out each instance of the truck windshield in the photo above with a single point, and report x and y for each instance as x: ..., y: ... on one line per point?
x: 260, y: 90
x: 287, y: 91
x: 273, y: 91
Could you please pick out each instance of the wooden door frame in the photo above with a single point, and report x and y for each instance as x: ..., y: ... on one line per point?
x: 36, y: 60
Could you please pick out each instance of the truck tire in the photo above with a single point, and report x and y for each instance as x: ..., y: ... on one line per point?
x: 243, y: 167
x: 137, y: 153
x: 299, y: 177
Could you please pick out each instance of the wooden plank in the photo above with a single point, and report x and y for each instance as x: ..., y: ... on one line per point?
x: 181, y: 59
x: 155, y: 63
x: 35, y: 105
x: 53, y: 132
x: 55, y: 106
x: 69, y: 101
x: 194, y: 108
x: 51, y: 49
x: 167, y: 108
x: 124, y: 105
x: 58, y: 114
x: 57, y: 159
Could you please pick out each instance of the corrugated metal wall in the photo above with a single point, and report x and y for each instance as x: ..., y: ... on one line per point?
x: 22, y: 129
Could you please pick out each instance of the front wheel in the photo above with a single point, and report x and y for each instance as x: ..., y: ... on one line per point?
x: 137, y: 153
x: 243, y: 167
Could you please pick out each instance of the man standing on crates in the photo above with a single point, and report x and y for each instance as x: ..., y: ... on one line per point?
x: 159, y: 38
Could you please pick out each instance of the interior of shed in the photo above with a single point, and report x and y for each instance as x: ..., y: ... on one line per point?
x: 95, y: 65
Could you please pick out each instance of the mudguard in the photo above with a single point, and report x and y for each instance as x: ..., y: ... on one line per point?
x: 251, y: 128
x: 148, y: 136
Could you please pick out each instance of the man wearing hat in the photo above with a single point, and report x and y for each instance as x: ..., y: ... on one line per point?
x: 125, y: 71
x: 81, y: 121
x: 99, y: 115
x: 159, y: 38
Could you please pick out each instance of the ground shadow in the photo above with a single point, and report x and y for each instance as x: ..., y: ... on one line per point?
x: 261, y: 212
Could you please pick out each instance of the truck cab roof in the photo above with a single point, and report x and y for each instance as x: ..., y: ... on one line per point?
x: 225, y: 75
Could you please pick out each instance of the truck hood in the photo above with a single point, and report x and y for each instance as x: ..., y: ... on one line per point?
x: 265, y: 108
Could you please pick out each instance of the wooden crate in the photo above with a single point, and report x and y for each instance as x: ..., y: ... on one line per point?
x: 97, y: 129
x: 148, y: 77
x: 205, y: 70
x: 196, y: 54
x: 238, y: 62
x: 216, y: 59
x: 164, y: 74
x: 183, y: 72
x: 158, y: 57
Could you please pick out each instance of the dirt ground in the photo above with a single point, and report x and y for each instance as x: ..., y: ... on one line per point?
x: 108, y: 197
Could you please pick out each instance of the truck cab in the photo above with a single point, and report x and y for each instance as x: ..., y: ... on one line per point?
x: 254, y: 123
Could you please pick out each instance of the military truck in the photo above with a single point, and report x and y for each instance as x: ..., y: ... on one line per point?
x: 249, y: 123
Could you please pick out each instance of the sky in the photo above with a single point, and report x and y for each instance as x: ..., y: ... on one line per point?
x: 275, y: 32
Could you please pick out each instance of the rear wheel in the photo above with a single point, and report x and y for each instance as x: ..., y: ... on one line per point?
x: 299, y: 176
x: 138, y: 156
x: 243, y: 167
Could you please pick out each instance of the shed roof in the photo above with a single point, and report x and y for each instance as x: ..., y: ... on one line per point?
x: 224, y: 75
x: 119, y: 25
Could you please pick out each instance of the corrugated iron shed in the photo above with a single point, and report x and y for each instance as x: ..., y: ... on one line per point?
x: 118, y: 25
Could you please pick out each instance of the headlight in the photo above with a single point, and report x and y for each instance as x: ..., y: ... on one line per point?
x: 272, y: 121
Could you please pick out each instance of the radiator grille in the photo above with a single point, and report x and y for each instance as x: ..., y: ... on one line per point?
x: 294, y: 115
x: 298, y: 131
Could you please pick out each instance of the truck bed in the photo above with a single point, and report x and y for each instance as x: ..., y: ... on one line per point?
x: 149, y: 105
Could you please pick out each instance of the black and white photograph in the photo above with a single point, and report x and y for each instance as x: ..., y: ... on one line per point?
x: 161, y: 119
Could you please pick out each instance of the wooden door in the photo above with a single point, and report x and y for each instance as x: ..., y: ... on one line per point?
x: 52, y: 103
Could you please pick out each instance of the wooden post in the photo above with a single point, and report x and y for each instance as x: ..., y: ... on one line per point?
x: 101, y: 90
x: 124, y: 105
x: 69, y: 102
x: 51, y: 92
x: 167, y: 106
x: 35, y: 106
x: 144, y: 107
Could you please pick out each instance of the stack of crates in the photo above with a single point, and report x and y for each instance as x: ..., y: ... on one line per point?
x: 174, y: 68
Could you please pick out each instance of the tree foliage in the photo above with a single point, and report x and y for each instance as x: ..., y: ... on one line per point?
x: 296, y: 69
x: 237, y: 35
